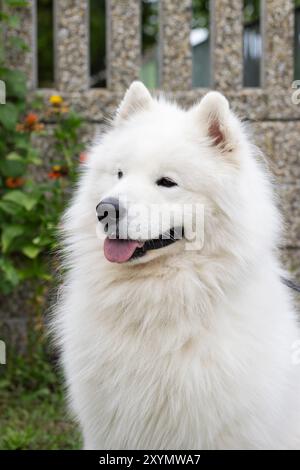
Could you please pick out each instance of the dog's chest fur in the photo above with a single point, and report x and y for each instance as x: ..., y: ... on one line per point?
x: 155, y: 371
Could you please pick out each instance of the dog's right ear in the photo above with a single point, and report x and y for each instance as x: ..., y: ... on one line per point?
x: 136, y: 98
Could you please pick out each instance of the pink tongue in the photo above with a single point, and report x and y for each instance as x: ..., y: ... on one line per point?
x: 119, y: 251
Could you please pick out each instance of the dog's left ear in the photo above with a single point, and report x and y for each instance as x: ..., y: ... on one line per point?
x: 136, y: 98
x: 215, y: 117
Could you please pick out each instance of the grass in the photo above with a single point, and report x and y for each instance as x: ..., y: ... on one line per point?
x: 33, y: 412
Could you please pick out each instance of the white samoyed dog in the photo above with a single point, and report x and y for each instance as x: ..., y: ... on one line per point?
x: 168, y: 342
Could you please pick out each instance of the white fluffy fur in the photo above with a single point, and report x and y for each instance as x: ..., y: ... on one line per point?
x: 181, y: 349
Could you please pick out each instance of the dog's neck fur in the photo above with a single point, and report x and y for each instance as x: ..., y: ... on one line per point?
x: 184, y: 294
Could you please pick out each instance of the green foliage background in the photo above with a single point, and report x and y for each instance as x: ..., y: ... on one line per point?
x: 32, y: 409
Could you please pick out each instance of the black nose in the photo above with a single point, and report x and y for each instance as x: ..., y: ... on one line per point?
x: 108, y: 210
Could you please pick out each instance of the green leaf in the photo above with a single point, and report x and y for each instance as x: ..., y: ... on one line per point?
x: 28, y: 201
x: 13, y: 21
x: 10, y: 272
x: 8, y: 207
x: 9, y: 233
x: 21, y: 142
x: 18, y: 43
x: 31, y: 251
x: 17, y: 3
x: 33, y: 157
x: 42, y: 240
x: 8, y: 116
x: 14, y: 168
x: 3, y: 16
x: 14, y: 156
x: 46, y: 277
x: 16, y: 83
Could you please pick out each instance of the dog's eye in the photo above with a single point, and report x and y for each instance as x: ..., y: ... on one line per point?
x: 120, y: 174
x: 166, y: 182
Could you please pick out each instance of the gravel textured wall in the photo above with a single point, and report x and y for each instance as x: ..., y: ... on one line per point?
x: 274, y: 118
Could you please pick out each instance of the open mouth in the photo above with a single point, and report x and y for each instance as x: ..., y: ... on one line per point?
x: 122, y: 250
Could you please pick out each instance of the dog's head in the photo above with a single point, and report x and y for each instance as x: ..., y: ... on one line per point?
x: 164, y: 180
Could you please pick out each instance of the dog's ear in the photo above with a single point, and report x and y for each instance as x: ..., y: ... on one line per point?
x: 215, y: 117
x: 136, y: 98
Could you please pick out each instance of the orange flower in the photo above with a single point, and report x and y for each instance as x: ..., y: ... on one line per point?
x: 31, y: 119
x: 58, y: 171
x: 54, y: 175
x: 30, y: 124
x: 83, y: 157
x: 13, y: 183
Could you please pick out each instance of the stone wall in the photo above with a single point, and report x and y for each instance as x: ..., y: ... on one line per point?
x: 274, y: 119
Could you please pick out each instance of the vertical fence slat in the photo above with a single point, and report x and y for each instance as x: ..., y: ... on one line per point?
x: 123, y: 43
x: 227, y: 44
x: 71, y: 45
x: 278, y: 43
x: 24, y: 60
x: 175, y: 49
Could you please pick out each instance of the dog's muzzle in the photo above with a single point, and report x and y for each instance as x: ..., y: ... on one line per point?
x: 110, y: 212
x: 118, y: 249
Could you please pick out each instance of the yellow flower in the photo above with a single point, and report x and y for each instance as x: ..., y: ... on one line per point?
x: 56, y: 168
x: 56, y: 100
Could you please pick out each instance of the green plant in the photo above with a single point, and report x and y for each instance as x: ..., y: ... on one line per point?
x: 33, y: 412
x: 30, y: 210
x: 30, y: 207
